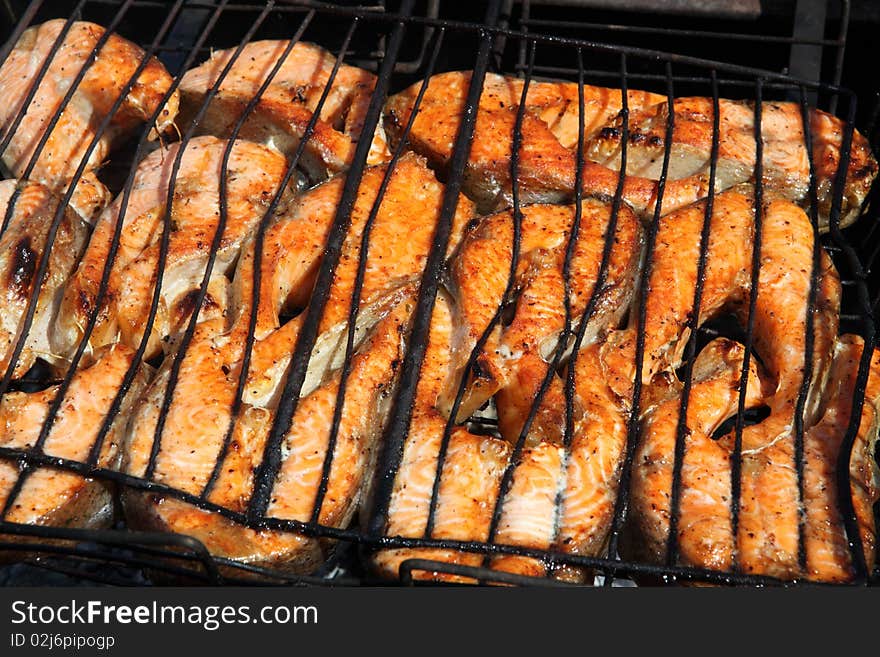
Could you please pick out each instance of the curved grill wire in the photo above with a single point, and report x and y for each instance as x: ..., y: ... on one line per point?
x: 182, y: 556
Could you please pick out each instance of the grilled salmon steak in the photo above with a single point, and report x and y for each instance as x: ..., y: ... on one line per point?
x: 561, y: 487
x: 767, y: 541
x: 107, y: 74
x: 560, y: 495
x: 22, y: 246
x: 786, y: 159
x: 57, y: 497
x: 548, y: 161
x: 515, y: 357
x: 191, y: 454
x: 284, y: 109
x: 253, y: 177
x: 549, y: 132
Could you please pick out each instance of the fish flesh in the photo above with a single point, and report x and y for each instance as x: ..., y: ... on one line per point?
x: 57, y: 497
x: 561, y: 488
x: 201, y: 411
x: 103, y: 83
x: 547, y: 161
x: 22, y: 246
x: 253, y: 178
x: 560, y: 497
x: 786, y: 160
x: 768, y: 537
x: 550, y: 121
x: 284, y: 109
x: 510, y: 362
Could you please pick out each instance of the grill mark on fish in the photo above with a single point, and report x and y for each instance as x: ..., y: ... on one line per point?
x: 23, y: 266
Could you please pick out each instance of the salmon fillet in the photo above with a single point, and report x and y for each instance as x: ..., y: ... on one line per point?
x: 705, y: 534
x: 828, y: 552
x: 22, y: 246
x: 548, y: 161
x: 785, y: 269
x: 786, y: 162
x: 549, y: 132
x: 56, y: 497
x: 286, y: 106
x: 399, y: 242
x: 200, y: 414
x: 767, y: 541
x: 100, y: 87
x: 515, y: 359
x: 195, y: 429
x: 253, y: 178
x: 561, y: 496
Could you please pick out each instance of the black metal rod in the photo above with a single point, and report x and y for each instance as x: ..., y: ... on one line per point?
x: 568, y: 427
x: 267, y: 471
x: 354, y: 308
x: 866, y: 319
x: 693, y: 322
x: 495, y: 30
x: 165, y: 241
x: 235, y: 411
x: 477, y: 350
x: 809, y: 331
x: 400, y: 417
x: 621, y: 504
x: 757, y: 243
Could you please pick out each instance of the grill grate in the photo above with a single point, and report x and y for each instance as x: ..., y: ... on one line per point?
x: 406, y: 43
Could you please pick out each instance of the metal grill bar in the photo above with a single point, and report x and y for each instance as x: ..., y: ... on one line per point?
x: 845, y: 501
x: 261, y: 231
x: 166, y: 238
x: 507, y: 477
x: 809, y: 339
x: 516, y: 144
x: 494, y: 30
x: 736, y: 457
x: 408, y: 567
x: 568, y: 429
x: 551, y: 25
x: 398, y: 425
x: 354, y: 309
x: 693, y: 322
x: 132, y: 371
x: 381, y: 542
x: 271, y: 463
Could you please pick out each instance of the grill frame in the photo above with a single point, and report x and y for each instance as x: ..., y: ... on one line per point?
x: 435, y: 30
